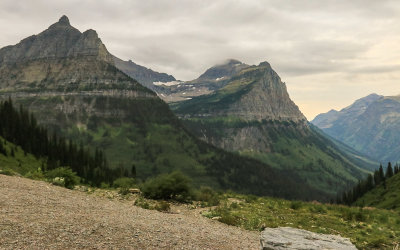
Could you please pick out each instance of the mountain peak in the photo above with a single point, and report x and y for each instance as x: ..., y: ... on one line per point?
x: 225, y: 70
x: 60, y: 40
x: 232, y: 62
x: 265, y: 64
x: 64, y: 20
x: 90, y: 33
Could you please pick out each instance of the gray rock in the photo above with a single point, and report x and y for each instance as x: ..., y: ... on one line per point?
x: 293, y: 238
x: 60, y: 40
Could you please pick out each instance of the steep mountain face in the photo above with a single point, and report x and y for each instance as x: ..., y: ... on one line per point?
x: 254, y: 115
x: 60, y: 40
x: 256, y: 93
x: 143, y: 75
x: 69, y: 81
x: 370, y: 125
x: 211, y: 80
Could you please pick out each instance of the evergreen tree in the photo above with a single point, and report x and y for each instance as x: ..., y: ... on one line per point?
x: 21, y: 128
x: 369, y: 184
x: 377, y: 178
x: 396, y: 168
x: 381, y: 173
x: 133, y: 171
x: 389, y: 171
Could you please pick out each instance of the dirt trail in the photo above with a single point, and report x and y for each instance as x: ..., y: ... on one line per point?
x: 37, y: 215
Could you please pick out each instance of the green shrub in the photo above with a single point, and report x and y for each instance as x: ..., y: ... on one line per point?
x: 163, y: 206
x: 36, y: 175
x: 174, y: 186
x: 63, y: 176
x: 208, y: 197
x: 124, y: 183
x: 104, y: 185
x: 360, y: 216
x: 140, y: 202
x: 226, y: 216
x: 319, y: 209
x: 296, y: 205
x: 7, y: 172
x: 250, y: 198
x: 234, y: 205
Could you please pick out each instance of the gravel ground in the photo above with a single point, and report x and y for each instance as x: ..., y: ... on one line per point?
x: 37, y: 215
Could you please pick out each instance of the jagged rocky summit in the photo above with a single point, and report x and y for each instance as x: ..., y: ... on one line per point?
x: 254, y: 93
x: 60, y: 40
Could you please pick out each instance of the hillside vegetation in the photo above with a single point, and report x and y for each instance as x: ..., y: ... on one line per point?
x: 13, y: 159
x: 385, y: 195
x: 367, y: 228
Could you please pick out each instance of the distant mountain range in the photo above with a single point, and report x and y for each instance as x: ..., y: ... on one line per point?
x: 370, y: 125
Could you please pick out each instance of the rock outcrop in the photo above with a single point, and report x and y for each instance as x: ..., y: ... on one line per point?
x: 292, y: 238
x: 62, y: 59
x: 143, y: 75
x: 60, y: 40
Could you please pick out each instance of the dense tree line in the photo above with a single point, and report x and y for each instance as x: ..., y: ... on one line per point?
x: 378, y: 178
x: 21, y: 128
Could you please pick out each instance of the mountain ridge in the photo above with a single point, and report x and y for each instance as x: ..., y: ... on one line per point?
x: 86, y: 97
x: 254, y: 116
x: 369, y: 125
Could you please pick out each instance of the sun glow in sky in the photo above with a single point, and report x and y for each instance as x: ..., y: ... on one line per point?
x: 329, y: 53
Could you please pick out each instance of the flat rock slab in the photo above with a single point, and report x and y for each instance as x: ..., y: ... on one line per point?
x: 293, y: 238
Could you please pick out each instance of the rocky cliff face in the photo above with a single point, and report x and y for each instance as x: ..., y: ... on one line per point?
x: 60, y: 40
x: 143, y: 75
x: 265, y: 97
x: 370, y: 125
x: 255, y: 93
x: 62, y: 59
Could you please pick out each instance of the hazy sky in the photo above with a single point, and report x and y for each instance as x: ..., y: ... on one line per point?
x: 329, y: 52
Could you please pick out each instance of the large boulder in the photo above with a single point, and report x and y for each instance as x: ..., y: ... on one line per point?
x: 293, y: 238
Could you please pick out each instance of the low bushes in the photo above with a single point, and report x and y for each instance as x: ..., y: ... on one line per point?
x: 124, y: 184
x: 174, y: 186
x: 63, y: 176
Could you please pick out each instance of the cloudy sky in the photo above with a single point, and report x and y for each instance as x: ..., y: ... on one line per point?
x: 329, y: 52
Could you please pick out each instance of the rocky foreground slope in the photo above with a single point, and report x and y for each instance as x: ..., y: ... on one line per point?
x: 38, y: 215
